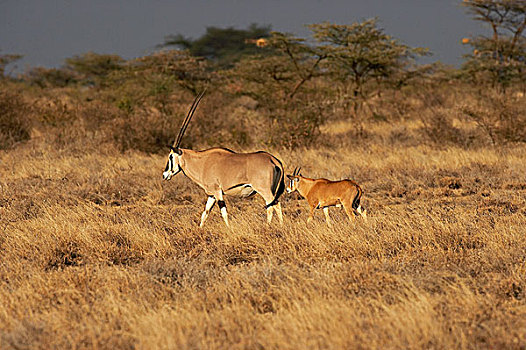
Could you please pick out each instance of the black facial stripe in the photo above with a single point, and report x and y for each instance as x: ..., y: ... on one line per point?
x: 167, y: 166
x: 221, y: 204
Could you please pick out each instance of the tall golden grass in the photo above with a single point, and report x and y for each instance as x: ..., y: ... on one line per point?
x: 97, y: 252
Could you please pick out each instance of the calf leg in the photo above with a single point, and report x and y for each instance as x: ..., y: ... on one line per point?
x: 362, y: 212
x: 311, y: 214
x: 349, y: 211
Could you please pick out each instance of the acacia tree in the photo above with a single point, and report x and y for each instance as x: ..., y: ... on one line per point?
x: 362, y: 57
x: 155, y: 78
x: 276, y: 81
x: 222, y: 46
x: 94, y: 68
x: 499, y: 59
x: 304, y: 59
x: 283, y: 73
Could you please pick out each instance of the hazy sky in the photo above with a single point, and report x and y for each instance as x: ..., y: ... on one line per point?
x: 48, y: 31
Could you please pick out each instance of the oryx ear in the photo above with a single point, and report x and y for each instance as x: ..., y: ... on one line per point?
x: 176, y: 150
x: 290, y: 177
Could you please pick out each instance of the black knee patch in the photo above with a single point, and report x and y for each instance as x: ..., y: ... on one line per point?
x: 221, y: 204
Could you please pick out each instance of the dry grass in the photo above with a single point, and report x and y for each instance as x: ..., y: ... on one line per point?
x: 97, y: 252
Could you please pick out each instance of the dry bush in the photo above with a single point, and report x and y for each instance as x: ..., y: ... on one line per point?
x: 15, y: 119
x: 295, y: 127
x: 142, y: 130
x: 52, y: 77
x: 96, y: 125
x: 501, y: 117
x: 438, y: 127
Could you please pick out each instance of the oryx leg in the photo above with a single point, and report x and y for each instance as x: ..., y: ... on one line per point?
x: 327, y: 217
x: 270, y: 211
x: 269, y: 198
x: 209, y: 205
x: 222, y: 207
x: 277, y: 208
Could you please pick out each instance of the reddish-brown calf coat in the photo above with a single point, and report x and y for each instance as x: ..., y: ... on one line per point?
x: 321, y: 193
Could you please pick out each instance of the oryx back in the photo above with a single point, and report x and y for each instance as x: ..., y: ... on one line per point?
x: 236, y: 174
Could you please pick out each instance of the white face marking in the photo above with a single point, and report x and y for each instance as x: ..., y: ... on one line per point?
x: 170, y: 171
x: 292, y: 185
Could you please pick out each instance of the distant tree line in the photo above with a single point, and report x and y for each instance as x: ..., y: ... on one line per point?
x: 355, y: 71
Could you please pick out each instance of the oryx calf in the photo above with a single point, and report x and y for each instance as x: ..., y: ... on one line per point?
x: 323, y: 193
x: 220, y: 171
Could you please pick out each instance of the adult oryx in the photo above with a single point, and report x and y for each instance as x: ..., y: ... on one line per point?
x: 221, y: 171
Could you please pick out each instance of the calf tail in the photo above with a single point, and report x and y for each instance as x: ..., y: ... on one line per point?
x: 358, y: 210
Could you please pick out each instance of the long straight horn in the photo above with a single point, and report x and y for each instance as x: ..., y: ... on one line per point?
x: 187, y: 119
x: 295, y: 171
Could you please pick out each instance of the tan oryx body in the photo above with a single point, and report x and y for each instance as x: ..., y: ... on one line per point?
x: 220, y: 171
x: 323, y: 193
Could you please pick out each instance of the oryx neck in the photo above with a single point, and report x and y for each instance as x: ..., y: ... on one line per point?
x: 190, y: 164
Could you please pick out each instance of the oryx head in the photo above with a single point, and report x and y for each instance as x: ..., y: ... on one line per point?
x: 294, y: 179
x: 173, y: 166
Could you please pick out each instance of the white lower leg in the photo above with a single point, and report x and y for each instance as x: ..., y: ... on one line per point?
x: 222, y: 206
x: 225, y: 216
x: 277, y: 208
x: 362, y: 211
x: 209, y: 204
x: 270, y: 212
x: 327, y: 217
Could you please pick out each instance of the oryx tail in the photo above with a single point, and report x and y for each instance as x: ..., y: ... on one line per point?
x: 278, y: 184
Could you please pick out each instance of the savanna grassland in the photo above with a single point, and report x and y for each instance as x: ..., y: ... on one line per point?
x: 98, y: 252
